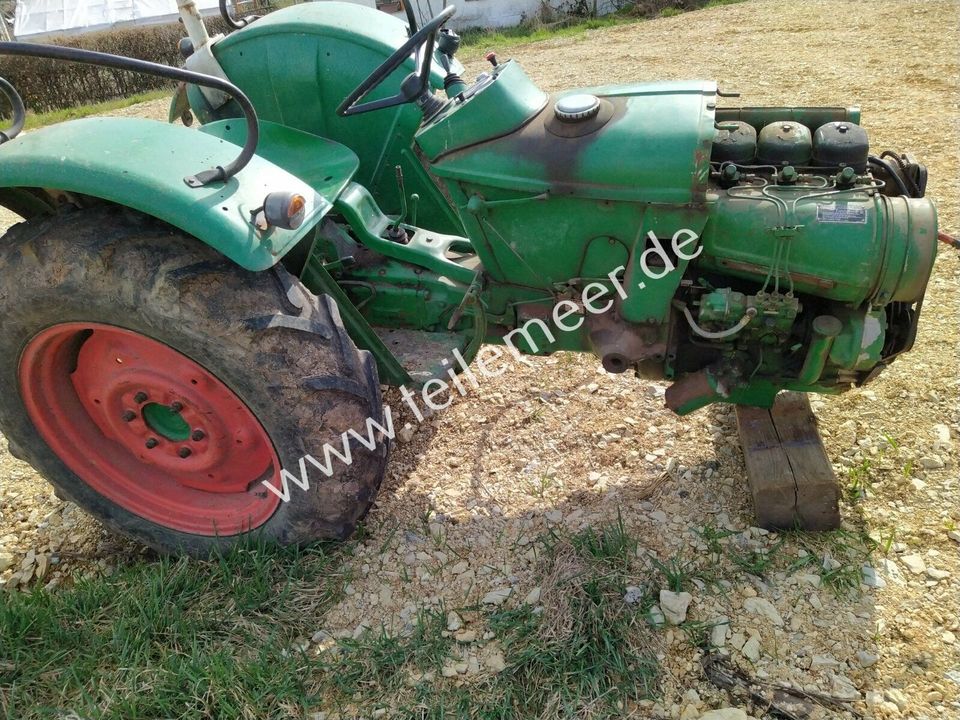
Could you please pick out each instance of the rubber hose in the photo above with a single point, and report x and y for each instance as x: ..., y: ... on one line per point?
x: 874, y: 160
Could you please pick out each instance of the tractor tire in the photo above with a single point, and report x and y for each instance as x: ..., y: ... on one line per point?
x: 159, y: 386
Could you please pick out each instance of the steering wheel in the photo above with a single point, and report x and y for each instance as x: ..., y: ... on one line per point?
x: 414, y: 86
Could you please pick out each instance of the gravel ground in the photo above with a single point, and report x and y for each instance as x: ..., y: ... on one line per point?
x: 560, y: 443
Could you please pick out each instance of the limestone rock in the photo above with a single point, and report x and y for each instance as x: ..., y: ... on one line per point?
x: 675, y: 605
x: 497, y: 597
x: 914, y: 563
x: 726, y: 714
x: 761, y: 606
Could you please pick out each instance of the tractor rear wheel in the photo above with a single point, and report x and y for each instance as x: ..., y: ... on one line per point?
x: 159, y: 386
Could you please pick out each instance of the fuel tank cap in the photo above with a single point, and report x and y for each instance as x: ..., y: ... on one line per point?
x: 573, y: 108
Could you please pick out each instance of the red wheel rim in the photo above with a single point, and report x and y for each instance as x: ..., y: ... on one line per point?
x: 149, y: 429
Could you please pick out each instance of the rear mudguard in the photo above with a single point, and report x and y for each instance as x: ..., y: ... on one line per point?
x: 142, y: 164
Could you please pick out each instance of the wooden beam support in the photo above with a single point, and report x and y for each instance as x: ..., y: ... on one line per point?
x: 790, y: 475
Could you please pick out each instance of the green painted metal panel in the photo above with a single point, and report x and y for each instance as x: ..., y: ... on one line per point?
x: 327, y: 166
x: 504, y: 105
x: 142, y: 163
x: 669, y: 165
x: 535, y: 201
x: 298, y: 64
x: 390, y: 370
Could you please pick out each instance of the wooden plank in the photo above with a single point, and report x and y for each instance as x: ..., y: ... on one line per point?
x: 790, y: 476
x: 818, y: 491
x: 769, y: 475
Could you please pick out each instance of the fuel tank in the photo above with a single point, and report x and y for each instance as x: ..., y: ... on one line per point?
x: 639, y: 143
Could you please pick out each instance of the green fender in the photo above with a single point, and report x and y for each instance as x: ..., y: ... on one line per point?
x: 142, y: 164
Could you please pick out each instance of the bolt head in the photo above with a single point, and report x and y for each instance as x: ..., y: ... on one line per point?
x: 185, y: 452
x: 198, y: 435
x: 140, y: 398
x: 176, y: 407
x: 152, y: 443
x: 129, y: 416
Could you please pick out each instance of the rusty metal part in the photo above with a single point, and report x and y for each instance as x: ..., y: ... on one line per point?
x: 694, y: 389
x: 949, y: 240
x: 621, y: 345
x: 824, y: 283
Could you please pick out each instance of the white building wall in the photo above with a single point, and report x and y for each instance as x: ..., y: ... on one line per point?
x: 491, y: 13
x: 36, y: 19
x: 498, y: 13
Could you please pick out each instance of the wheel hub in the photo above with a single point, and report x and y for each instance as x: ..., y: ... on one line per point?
x: 158, y: 433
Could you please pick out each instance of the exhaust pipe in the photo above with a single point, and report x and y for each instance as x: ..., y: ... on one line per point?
x: 825, y: 329
x: 193, y: 23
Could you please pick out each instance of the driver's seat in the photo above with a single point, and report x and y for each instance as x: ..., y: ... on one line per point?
x: 325, y: 165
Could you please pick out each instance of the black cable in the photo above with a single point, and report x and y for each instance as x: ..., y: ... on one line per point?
x: 896, y: 158
x: 17, y: 110
x: 903, y: 166
x: 895, y: 176
x: 228, y: 18
x: 411, y: 18
x: 90, y: 57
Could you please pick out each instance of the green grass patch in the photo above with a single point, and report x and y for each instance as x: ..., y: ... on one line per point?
x: 584, y: 652
x: 378, y: 662
x: 537, y: 31
x: 581, y: 652
x: 169, y: 639
x: 477, y: 40
x: 837, y: 556
x: 587, y: 653
x: 37, y: 120
x: 759, y: 561
x: 226, y: 638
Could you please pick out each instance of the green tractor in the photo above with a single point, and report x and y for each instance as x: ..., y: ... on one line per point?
x: 193, y: 347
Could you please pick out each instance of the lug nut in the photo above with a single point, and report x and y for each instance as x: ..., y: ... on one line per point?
x: 176, y: 407
x: 185, y: 452
x: 140, y: 398
x: 129, y: 416
x: 152, y: 443
x: 198, y: 435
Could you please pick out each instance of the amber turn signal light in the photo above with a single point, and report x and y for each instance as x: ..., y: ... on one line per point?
x: 284, y: 209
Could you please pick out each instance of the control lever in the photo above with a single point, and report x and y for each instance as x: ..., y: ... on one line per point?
x: 414, y: 201
x: 395, y: 232
x: 448, y: 42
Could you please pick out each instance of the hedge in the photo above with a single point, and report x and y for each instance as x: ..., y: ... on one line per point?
x: 55, y: 85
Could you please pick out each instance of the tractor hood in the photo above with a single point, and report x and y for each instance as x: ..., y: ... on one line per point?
x: 645, y: 143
